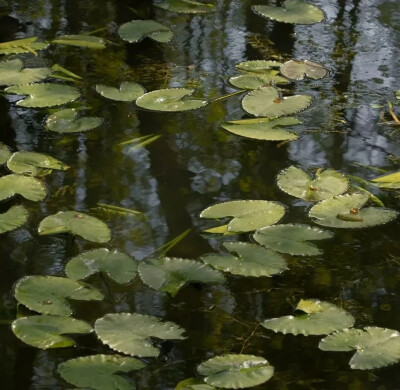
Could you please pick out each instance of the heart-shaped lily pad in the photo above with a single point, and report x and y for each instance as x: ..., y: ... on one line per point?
x: 388, y: 182
x: 13, y: 218
x: 318, y: 318
x: 258, y: 66
x: 294, y: 181
x: 171, y: 274
x: 44, y: 95
x: 130, y: 333
x: 248, y: 215
x: 265, y: 129
x: 345, y: 211
x: 128, y: 91
x: 292, y: 238
x: 49, y: 294
x: 254, y: 81
x: 89, y: 41
x: 193, y: 384
x: 47, y: 331
x: 100, y: 372
x: 293, y: 11
x: 297, y: 70
x: 11, y: 73
x: 33, y: 163
x: 67, y: 121
x: 5, y: 153
x: 236, y: 371
x: 136, y: 30
x: 73, y: 222
x: 266, y: 101
x: 27, y: 186
x: 375, y: 347
x: 170, y: 100
x: 184, y: 6
x: 19, y: 46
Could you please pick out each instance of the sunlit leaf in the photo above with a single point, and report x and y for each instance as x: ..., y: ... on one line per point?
x: 254, y: 81
x: 258, y: 66
x: 27, y: 186
x: 193, y: 384
x: 88, y: 41
x: 184, y: 6
x: 136, y: 30
x: 297, y: 70
x: 33, y: 163
x: 11, y: 73
x: 127, y: 92
x: 13, y: 218
x: 67, y: 121
x: 390, y: 181
x: 19, y: 46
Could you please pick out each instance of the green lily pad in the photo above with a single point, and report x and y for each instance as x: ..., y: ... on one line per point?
x: 266, y: 101
x: 292, y: 239
x: 118, y: 266
x: 27, y: 186
x: 128, y: 91
x: 193, y: 384
x: 297, y: 70
x: 254, y: 81
x: 318, y: 318
x: 49, y: 294
x: 170, y: 100
x: 89, y: 41
x: 294, y: 181
x: 388, y: 182
x: 236, y: 371
x: 294, y: 11
x: 47, y: 331
x: 19, y: 46
x: 5, y: 153
x: 130, y: 333
x: 375, y: 347
x: 137, y: 30
x: 33, y: 163
x: 265, y: 129
x: 66, y: 121
x: 252, y: 260
x: 345, y: 211
x: 11, y: 73
x: 73, y: 222
x: 13, y: 218
x: 248, y: 215
x: 44, y: 95
x: 171, y: 274
x: 184, y: 6
x: 258, y: 66
x: 100, y: 372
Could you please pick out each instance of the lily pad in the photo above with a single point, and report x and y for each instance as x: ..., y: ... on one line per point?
x: 11, y: 73
x: 118, y: 266
x: 170, y: 100
x: 328, y: 183
x: 184, y: 6
x: 294, y: 11
x: 27, y: 186
x: 5, y: 153
x: 130, y: 333
x: 171, y: 274
x: 127, y: 92
x: 236, y: 371
x: 258, y: 66
x: 297, y: 70
x: 89, y: 41
x: 345, y: 211
x: 318, y: 318
x: 265, y: 129
x: 375, y: 347
x: 47, y: 331
x: 254, y: 81
x: 66, y: 121
x: 193, y: 384
x: 19, y: 46
x: 292, y: 239
x: 49, y: 294
x: 388, y: 182
x: 13, y: 218
x: 100, y: 372
x: 248, y: 215
x: 252, y: 260
x: 137, y: 30
x: 44, y: 95
x: 266, y: 101
x: 73, y: 222
x: 33, y: 163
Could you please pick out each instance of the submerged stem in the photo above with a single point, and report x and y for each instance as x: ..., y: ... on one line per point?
x: 218, y: 99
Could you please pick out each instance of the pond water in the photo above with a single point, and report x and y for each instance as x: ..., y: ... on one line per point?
x: 194, y: 164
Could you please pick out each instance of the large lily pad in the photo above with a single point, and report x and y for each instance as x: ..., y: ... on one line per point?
x: 100, y: 372
x: 49, y: 294
x: 171, y: 274
x: 318, y: 318
x: 73, y: 222
x: 44, y: 95
x: 266, y: 101
x: 292, y: 238
x: 254, y: 81
x: 193, y: 384
x: 170, y: 100
x: 19, y: 46
x: 13, y: 218
x: 11, y: 73
x: 236, y: 371
x: 251, y: 260
x: 33, y: 163
x: 248, y: 215
x: 297, y: 70
x: 127, y: 92
x: 258, y: 66
x: 5, y: 153
x: 375, y: 347
x: 118, y: 266
x: 293, y: 11
x: 345, y: 211
x: 184, y: 6
x: 47, y: 331
x: 67, y: 121
x: 89, y: 41
x: 136, y: 30
x: 130, y: 333
x: 27, y: 186
x: 328, y: 183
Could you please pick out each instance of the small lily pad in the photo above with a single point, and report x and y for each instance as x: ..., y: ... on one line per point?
x: 128, y: 91
x: 47, y: 331
x: 49, y: 294
x: 89, y: 41
x: 184, y: 6
x: 297, y: 70
x: 73, y: 222
x: 258, y: 66
x: 5, y: 153
x: 67, y: 121
x: 11, y: 73
x: 137, y: 30
x: 19, y: 46
x: 13, y: 218
x: 130, y: 333
x: 388, y: 182
x: 318, y: 318
x: 27, y: 186
x: 171, y: 274
x: 33, y: 163
x: 193, y: 384
x: 254, y: 81
x: 236, y: 371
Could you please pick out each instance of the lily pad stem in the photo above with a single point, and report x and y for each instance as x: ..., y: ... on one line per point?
x: 218, y: 99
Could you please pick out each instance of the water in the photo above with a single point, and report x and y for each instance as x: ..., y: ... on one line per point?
x: 195, y: 164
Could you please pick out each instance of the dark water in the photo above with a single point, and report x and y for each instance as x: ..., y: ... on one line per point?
x: 195, y: 164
